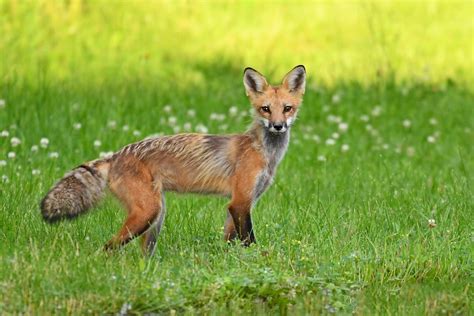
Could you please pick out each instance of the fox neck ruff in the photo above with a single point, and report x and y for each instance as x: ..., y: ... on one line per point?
x: 274, y: 145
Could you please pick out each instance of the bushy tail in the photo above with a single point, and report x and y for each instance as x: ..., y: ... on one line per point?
x: 77, y: 192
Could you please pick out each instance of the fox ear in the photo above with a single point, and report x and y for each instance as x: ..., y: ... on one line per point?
x: 254, y: 81
x: 295, y: 80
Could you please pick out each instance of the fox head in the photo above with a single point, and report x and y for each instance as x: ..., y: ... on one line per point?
x: 276, y: 106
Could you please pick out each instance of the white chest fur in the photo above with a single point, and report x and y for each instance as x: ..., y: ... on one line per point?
x: 275, y: 146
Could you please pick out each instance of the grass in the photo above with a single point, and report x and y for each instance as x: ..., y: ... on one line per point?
x: 338, y: 232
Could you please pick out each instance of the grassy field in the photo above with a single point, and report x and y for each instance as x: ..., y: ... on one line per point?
x: 371, y: 210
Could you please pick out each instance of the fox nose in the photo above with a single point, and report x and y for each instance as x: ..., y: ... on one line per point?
x: 278, y: 126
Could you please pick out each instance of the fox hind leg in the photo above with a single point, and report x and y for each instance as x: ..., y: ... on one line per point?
x: 143, y: 204
x: 149, y: 238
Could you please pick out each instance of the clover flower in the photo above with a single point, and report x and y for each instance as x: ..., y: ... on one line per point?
x: 112, y: 124
x: 330, y: 141
x: 233, y: 110
x: 167, y: 108
x: 15, y: 141
x: 431, y: 223
x: 191, y: 113
x: 343, y: 127
x: 44, y: 142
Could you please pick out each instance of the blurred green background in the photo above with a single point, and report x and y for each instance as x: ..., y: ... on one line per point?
x: 174, y: 40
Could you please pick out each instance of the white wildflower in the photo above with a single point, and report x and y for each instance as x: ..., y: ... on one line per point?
x: 77, y: 125
x: 11, y: 155
x: 335, y: 135
x: 125, y: 128
x: 336, y: 98
x: 223, y: 127
x: 2, y: 104
x: 316, y: 138
x: 331, y: 118
x: 330, y: 141
x: 321, y: 158
x: 191, y: 113
x: 343, y: 127
x: 34, y: 148
x: 431, y: 223
x: 15, y: 141
x: 112, y: 124
x: 3, y: 163
x: 431, y: 139
x: 44, y: 142
x: 364, y: 118
x: 35, y: 172
x: 368, y: 127
x: 200, y: 128
x: 433, y: 121
x: 136, y: 133
x: 5, y: 179
x: 167, y: 108
x: 187, y: 127
x: 4, y: 133
x: 406, y: 123
x: 97, y: 143
x: 125, y: 308
x: 385, y: 146
x: 410, y: 151
x: 176, y: 129
x: 376, y: 111
x: 233, y: 110
x: 106, y: 154
x: 53, y: 155
x: 172, y: 120
x: 217, y: 117
x: 344, y: 148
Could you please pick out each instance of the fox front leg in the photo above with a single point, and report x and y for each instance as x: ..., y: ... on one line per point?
x: 240, y: 213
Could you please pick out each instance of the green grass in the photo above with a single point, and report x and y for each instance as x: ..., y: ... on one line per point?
x: 339, y: 231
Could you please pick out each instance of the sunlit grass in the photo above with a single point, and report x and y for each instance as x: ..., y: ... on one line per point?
x: 371, y: 210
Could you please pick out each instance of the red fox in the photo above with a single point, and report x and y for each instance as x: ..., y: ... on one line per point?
x: 239, y: 166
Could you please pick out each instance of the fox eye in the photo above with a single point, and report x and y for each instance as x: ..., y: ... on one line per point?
x: 265, y: 109
x: 287, y: 108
